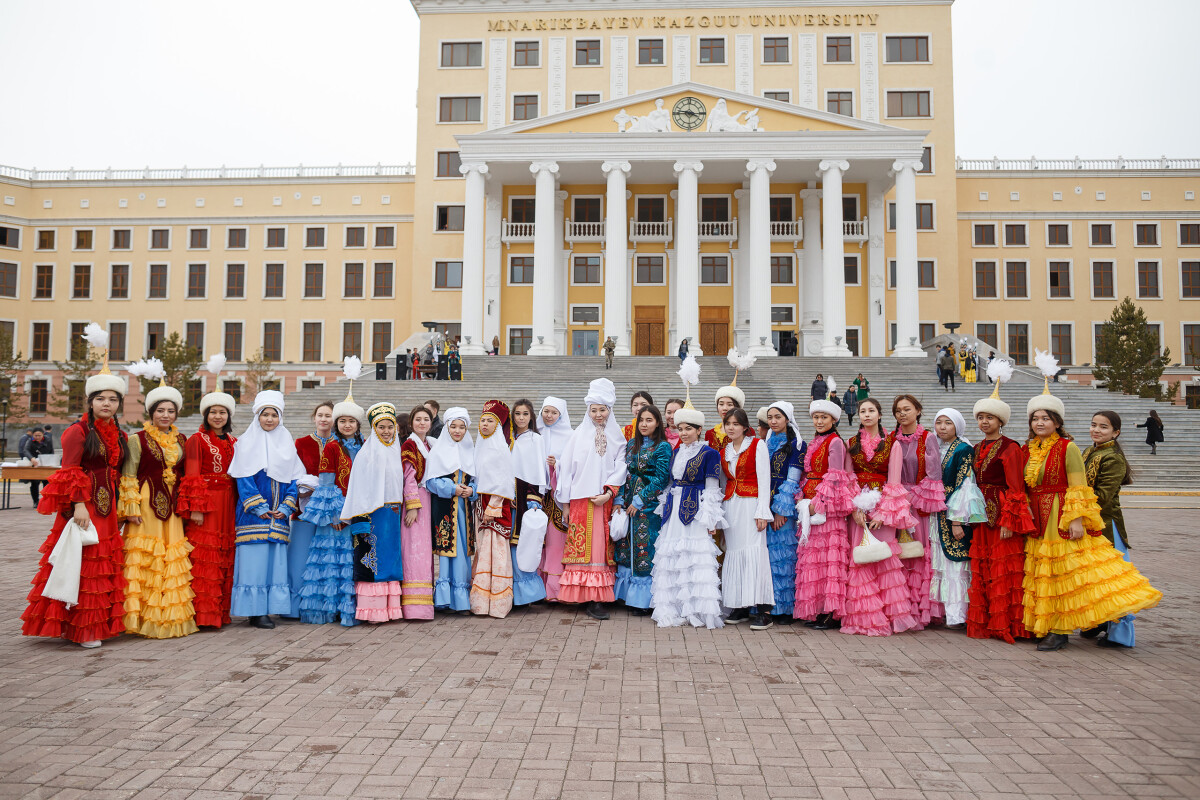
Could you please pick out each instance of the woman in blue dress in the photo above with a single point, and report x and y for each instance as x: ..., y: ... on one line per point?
x: 648, y: 460
x: 450, y: 479
x: 785, y: 448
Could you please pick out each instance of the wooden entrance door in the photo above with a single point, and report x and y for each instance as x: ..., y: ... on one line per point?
x: 649, y: 330
x: 714, y: 330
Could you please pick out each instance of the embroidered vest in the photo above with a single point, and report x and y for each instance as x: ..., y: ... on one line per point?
x: 872, y: 473
x: 411, y: 454
x: 744, y: 481
x: 818, y: 468
x: 335, y: 460
x: 1053, y: 484
x: 150, y: 471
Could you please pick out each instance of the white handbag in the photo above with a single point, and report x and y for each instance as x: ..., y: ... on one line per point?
x: 533, y: 536
x: 870, y: 550
x: 618, y: 526
x: 66, y: 561
x: 910, y: 547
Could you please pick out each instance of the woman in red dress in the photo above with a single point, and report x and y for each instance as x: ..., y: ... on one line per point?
x: 85, y: 490
x: 207, y: 497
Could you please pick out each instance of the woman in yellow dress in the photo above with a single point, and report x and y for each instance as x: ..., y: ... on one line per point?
x: 1074, y: 578
x: 158, y: 600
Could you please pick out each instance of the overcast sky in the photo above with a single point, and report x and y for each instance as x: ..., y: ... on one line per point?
x: 244, y: 82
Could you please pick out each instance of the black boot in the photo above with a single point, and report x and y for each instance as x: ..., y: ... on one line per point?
x: 1092, y: 633
x: 737, y: 616
x: 639, y: 612
x: 823, y: 622
x: 596, y: 611
x: 264, y: 622
x: 784, y: 619
x: 1053, y: 641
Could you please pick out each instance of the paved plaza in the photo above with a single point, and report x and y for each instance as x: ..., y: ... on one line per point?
x: 549, y: 704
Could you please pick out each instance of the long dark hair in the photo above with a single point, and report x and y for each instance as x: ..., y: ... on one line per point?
x: 739, y: 416
x: 337, y: 433
x: 533, y: 415
x: 92, y: 447
x: 420, y: 410
x: 644, y: 395
x: 659, y: 434
x: 856, y: 445
x: 403, y: 427
x: 1059, y: 428
x: 1114, y: 419
x: 1156, y: 417
x: 226, y: 429
x: 915, y: 403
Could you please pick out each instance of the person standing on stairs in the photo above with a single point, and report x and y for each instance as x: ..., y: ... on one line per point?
x: 1154, y: 431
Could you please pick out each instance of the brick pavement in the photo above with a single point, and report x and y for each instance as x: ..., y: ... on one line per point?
x: 548, y: 704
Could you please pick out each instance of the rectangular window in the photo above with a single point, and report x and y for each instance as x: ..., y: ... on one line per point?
x: 381, y: 340
x: 781, y: 96
x: 587, y: 209
x: 925, y: 216
x: 526, y: 54
x: 352, y: 281
x: 459, y: 109
x: 118, y: 288
x: 926, y: 161
x: 1191, y: 345
x: 651, y: 209
x: 450, y: 218
x: 1189, y: 279
x: 311, y: 342
x: 233, y: 341
x: 160, y: 238
x: 116, y: 340
x: 650, y: 269
x: 712, y: 51
x: 156, y: 287
x: 1058, y: 235
x: 714, y: 269
x: 1148, y: 283
x: 235, y: 281
x: 1018, y: 343
x: 1060, y: 279
x: 276, y: 237
x: 39, y: 396
x: 1189, y: 233
x: 462, y: 54
x: 235, y: 239
x: 193, y: 336
x: 926, y: 275
x: 382, y: 285
x: 838, y: 50
x: 447, y: 275
x: 987, y: 333
x: 197, y: 285
x: 781, y: 270
x: 155, y: 333
x: 520, y: 269
x: 587, y: 53
x: 985, y: 279
x: 314, y: 280
x: 519, y: 340
x: 714, y: 209
x: 1014, y: 235
x: 43, y: 282
x: 40, y: 349
x: 525, y: 106
x: 775, y: 49
x: 8, y: 279
x: 907, y: 48
x: 521, y: 209
x: 122, y: 239
x: 781, y: 209
x: 985, y: 235
x: 272, y: 344
x: 1060, y: 343
x: 273, y: 275
x: 585, y: 315
x: 314, y: 237
x: 908, y: 104
x: 1016, y: 279
x: 1147, y: 235
x: 840, y: 103
x: 45, y: 240
x: 586, y: 269
x: 385, y: 236
x: 351, y: 339
x: 448, y: 162
x: 586, y: 99
x: 926, y: 331
x: 1101, y: 234
x: 852, y: 343
x: 849, y: 270
x: 10, y: 237
x: 83, y: 240
x: 650, y: 51
x: 198, y: 239
x: 782, y: 315
x: 81, y: 286
x: 356, y: 236
x: 1103, y: 284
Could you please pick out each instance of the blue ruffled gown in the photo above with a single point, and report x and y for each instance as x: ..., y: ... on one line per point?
x: 787, y: 465
x: 328, y: 591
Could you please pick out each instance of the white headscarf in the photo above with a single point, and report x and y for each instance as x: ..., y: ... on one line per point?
x: 554, y: 437
x: 447, y: 456
x: 494, y: 466
x: 960, y: 424
x: 582, y: 471
x: 529, y: 459
x: 376, y: 479
x: 422, y: 445
x: 789, y: 411
x: 273, y: 451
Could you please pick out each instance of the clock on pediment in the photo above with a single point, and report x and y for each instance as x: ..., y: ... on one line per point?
x: 689, y: 113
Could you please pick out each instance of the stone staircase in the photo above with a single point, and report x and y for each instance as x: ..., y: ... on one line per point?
x: 1176, y: 467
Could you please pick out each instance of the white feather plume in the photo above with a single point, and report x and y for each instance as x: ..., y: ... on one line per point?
x: 739, y: 361
x: 137, y: 368
x: 154, y: 369
x: 215, y: 364
x: 1046, y: 363
x: 831, y: 383
x: 96, y: 336
x: 1000, y: 371
x: 689, y: 371
x: 352, y: 367
x: 866, y: 500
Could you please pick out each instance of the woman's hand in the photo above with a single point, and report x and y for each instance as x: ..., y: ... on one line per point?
x: 80, y: 516
x: 1075, y: 529
x: 602, y: 498
x: 410, y: 516
x: 778, y: 522
x: 1005, y: 533
x: 550, y: 461
x: 337, y: 526
x: 760, y: 524
x: 133, y: 520
x: 277, y: 514
x: 197, y: 517
x: 957, y: 532
x: 860, y: 518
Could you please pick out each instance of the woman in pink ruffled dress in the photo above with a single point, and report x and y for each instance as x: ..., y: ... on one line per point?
x: 921, y: 476
x: 877, y: 600
x: 823, y: 505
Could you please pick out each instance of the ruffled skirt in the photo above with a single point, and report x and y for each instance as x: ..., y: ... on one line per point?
x: 527, y: 586
x: 822, y: 570
x: 213, y: 554
x: 950, y: 582
x: 877, y: 598
x: 781, y: 549
x: 685, y: 588
x: 377, y: 601
x: 158, y: 576
x: 994, y: 607
x: 328, y: 593
x: 746, y: 574
x: 591, y: 582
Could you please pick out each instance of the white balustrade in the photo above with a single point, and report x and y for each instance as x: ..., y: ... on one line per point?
x: 516, y: 231
x: 855, y: 230
x: 787, y: 230
x: 650, y: 231
x: 584, y: 231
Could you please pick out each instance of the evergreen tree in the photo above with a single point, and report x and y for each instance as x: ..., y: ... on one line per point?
x: 11, y: 388
x: 181, y: 363
x: 70, y: 404
x: 1127, y: 356
x: 258, y: 373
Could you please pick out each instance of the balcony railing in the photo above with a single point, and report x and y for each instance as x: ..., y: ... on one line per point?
x: 650, y: 231
x: 855, y: 230
x: 511, y: 232
x: 1076, y: 163
x: 584, y: 231
x: 787, y: 230
x: 724, y: 230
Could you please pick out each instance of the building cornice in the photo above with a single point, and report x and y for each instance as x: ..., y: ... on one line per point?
x: 577, y: 6
x: 206, y: 176
x: 43, y: 222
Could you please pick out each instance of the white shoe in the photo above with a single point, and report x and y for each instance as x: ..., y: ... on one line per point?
x: 94, y: 643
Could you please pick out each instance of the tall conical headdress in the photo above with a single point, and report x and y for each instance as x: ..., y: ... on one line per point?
x: 1047, y: 364
x: 216, y: 363
x: 689, y: 373
x: 1000, y: 371
x: 97, y: 337
x: 352, y: 368
x: 739, y: 362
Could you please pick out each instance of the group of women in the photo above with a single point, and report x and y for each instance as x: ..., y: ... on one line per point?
x: 371, y: 519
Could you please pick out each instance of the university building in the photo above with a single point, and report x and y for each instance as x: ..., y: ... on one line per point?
x: 729, y: 173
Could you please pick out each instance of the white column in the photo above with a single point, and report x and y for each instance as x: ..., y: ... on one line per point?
x: 759, y: 262
x: 545, y: 261
x: 616, y: 266
x: 810, y: 277
x: 493, y: 265
x: 687, y: 251
x: 908, y: 304
x: 741, y: 269
x: 875, y: 271
x: 833, y: 261
x: 472, y: 259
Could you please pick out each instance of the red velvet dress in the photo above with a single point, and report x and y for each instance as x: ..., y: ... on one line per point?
x: 207, y: 488
x: 100, y: 613
x: 995, y: 599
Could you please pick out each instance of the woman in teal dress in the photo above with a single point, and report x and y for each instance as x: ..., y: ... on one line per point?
x: 450, y: 479
x: 648, y: 459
